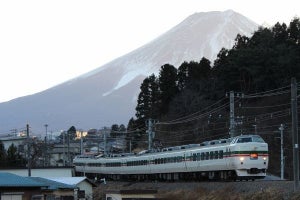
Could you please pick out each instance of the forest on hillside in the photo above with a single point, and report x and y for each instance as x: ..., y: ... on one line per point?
x: 191, y: 105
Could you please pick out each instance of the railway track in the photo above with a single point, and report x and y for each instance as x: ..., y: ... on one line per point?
x: 284, y: 187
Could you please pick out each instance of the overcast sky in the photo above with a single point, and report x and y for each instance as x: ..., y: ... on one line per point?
x: 44, y: 43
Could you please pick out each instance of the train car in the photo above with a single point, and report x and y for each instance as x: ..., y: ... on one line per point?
x: 243, y: 157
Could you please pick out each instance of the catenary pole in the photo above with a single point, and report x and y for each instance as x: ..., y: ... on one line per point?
x: 281, y: 128
x: 149, y: 133
x: 28, y: 151
x: 232, y: 122
x: 295, y: 133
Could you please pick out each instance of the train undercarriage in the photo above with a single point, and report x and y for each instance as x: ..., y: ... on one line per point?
x: 229, y: 175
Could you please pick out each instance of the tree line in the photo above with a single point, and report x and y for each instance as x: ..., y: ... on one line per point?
x: 266, y: 60
x: 12, y: 157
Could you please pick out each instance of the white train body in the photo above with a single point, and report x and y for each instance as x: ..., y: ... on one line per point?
x: 243, y: 157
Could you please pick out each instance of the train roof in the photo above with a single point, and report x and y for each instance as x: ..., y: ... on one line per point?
x: 238, y: 139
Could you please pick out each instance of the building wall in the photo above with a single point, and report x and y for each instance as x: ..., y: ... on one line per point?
x: 14, y: 193
x: 46, y: 172
x: 87, y: 187
x: 16, y: 141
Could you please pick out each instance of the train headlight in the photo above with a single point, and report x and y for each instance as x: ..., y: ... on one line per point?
x: 242, y: 158
x: 264, y: 158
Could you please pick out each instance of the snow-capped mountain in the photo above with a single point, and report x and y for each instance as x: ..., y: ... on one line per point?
x: 108, y: 94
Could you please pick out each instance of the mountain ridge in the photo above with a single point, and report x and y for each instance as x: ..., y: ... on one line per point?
x: 108, y: 94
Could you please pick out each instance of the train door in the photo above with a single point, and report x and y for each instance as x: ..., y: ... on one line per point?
x: 186, y: 159
x: 228, y: 157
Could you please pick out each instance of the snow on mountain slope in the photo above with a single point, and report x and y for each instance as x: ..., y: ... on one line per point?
x: 108, y: 94
x: 201, y: 34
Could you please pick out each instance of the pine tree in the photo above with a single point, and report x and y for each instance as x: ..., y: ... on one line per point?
x: 148, y: 99
x: 167, y: 85
x: 134, y: 133
x: 114, y: 130
x: 182, y: 76
x: 72, y: 132
x: 14, y: 159
x: 294, y: 31
x: 143, y: 102
x: 2, y: 155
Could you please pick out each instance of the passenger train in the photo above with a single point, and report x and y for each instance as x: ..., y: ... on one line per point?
x: 243, y: 157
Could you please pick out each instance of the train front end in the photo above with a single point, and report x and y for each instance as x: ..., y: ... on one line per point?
x: 249, y: 157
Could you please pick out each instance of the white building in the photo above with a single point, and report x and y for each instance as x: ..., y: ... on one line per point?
x: 85, y: 187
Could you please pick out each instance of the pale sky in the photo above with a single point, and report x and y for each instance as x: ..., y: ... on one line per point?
x: 46, y: 42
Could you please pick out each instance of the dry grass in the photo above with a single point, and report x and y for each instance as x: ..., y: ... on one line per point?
x: 200, y: 194
x: 227, y: 194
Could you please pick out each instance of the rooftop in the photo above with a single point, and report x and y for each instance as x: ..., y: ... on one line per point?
x: 52, y: 185
x: 12, y: 180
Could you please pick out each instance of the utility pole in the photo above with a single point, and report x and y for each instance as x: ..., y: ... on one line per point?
x: 150, y: 122
x: 28, y: 151
x: 295, y: 133
x: 46, y: 145
x: 232, y: 122
x: 81, y: 143
x: 281, y: 128
x: 105, y: 141
x: 64, y: 151
x: 68, y: 143
x: 130, y: 146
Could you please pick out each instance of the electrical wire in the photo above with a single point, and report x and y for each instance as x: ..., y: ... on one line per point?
x: 196, y: 113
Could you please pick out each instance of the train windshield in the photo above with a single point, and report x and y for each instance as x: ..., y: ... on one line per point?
x: 253, y: 138
x: 244, y: 140
x: 257, y: 138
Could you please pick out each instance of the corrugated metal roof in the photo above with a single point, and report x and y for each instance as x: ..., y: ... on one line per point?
x: 68, y: 180
x: 52, y: 185
x: 12, y: 180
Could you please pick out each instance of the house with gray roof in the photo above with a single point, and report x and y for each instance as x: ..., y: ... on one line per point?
x: 84, y: 186
x: 18, y: 187
x: 14, y: 187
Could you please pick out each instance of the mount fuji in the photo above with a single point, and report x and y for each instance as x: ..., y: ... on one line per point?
x: 108, y: 94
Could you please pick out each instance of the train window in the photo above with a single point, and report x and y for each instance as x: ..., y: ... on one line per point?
x: 198, y: 156
x: 221, y: 154
x: 206, y: 155
x: 244, y: 140
x: 202, y: 156
x: 194, y: 157
x: 211, y: 155
x: 216, y: 154
x: 179, y: 158
x: 257, y: 139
